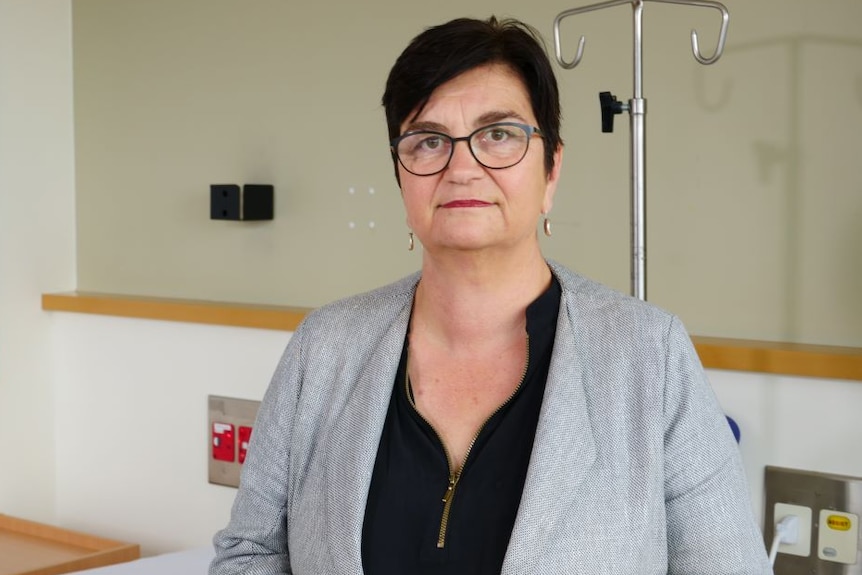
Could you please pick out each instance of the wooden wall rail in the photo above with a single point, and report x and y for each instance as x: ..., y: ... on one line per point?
x: 191, y: 311
x: 827, y: 362
x: 823, y: 361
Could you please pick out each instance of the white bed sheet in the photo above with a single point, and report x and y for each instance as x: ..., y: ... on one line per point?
x: 190, y: 562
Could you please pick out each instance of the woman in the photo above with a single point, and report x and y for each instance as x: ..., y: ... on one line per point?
x: 495, y: 412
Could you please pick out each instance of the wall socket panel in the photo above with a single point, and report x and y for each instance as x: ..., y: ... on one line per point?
x: 231, y: 423
x: 833, y: 499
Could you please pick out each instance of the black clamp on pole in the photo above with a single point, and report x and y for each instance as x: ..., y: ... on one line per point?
x: 610, y: 108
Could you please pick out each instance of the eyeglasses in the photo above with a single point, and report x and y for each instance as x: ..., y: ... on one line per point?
x: 497, y: 146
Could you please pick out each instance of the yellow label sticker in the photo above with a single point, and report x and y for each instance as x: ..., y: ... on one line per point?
x: 838, y: 522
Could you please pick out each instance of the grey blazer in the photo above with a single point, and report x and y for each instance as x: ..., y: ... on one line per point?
x: 634, y: 469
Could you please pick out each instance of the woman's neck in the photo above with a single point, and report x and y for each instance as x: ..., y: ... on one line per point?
x: 471, y: 298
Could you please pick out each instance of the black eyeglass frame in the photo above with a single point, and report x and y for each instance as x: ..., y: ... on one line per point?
x: 528, y: 129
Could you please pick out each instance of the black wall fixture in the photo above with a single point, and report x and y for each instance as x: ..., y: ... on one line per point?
x: 254, y: 202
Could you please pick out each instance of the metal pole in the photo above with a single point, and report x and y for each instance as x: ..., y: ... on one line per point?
x: 637, y: 111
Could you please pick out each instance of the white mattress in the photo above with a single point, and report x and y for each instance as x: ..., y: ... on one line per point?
x: 191, y: 562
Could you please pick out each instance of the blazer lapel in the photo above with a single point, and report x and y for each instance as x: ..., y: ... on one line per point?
x: 563, y: 452
x: 352, y: 448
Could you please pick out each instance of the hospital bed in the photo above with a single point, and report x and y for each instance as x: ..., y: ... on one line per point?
x: 190, y: 562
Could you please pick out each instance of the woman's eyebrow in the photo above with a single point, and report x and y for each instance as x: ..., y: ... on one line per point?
x: 424, y: 125
x: 498, y: 116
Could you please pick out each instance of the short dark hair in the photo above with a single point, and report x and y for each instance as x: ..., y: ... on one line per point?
x: 442, y: 52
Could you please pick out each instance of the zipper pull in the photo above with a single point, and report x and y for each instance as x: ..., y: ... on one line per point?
x: 449, y: 490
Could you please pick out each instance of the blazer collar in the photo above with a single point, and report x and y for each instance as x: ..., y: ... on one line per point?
x: 563, y: 453
x: 352, y: 448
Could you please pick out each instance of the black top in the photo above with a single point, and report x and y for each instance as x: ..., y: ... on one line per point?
x: 404, y: 514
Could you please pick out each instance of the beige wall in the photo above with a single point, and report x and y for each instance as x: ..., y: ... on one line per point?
x: 753, y: 188
x: 37, y: 240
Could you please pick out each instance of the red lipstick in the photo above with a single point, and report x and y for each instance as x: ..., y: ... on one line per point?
x: 466, y: 204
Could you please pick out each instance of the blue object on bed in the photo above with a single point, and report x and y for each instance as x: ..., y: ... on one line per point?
x: 734, y: 428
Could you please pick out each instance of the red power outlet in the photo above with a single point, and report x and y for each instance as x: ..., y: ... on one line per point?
x: 223, y: 443
x: 244, y: 438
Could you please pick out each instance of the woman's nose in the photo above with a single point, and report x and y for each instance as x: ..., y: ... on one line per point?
x: 462, y: 157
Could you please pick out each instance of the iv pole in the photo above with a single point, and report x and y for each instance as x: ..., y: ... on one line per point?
x: 637, y: 110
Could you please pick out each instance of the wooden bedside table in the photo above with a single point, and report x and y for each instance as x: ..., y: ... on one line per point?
x: 30, y: 548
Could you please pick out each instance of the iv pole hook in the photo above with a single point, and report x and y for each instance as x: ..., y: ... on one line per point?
x: 695, y: 45
x: 722, y: 34
x: 558, y: 49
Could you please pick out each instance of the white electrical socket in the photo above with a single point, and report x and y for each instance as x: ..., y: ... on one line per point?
x: 802, y: 547
x: 838, y: 536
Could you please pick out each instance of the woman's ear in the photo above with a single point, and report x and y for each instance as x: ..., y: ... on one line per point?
x: 553, y: 178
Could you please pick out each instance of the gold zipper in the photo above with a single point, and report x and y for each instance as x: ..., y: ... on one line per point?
x: 455, y: 476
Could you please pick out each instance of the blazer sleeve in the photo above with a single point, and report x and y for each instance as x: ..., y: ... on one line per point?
x: 255, y: 540
x: 711, y: 527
